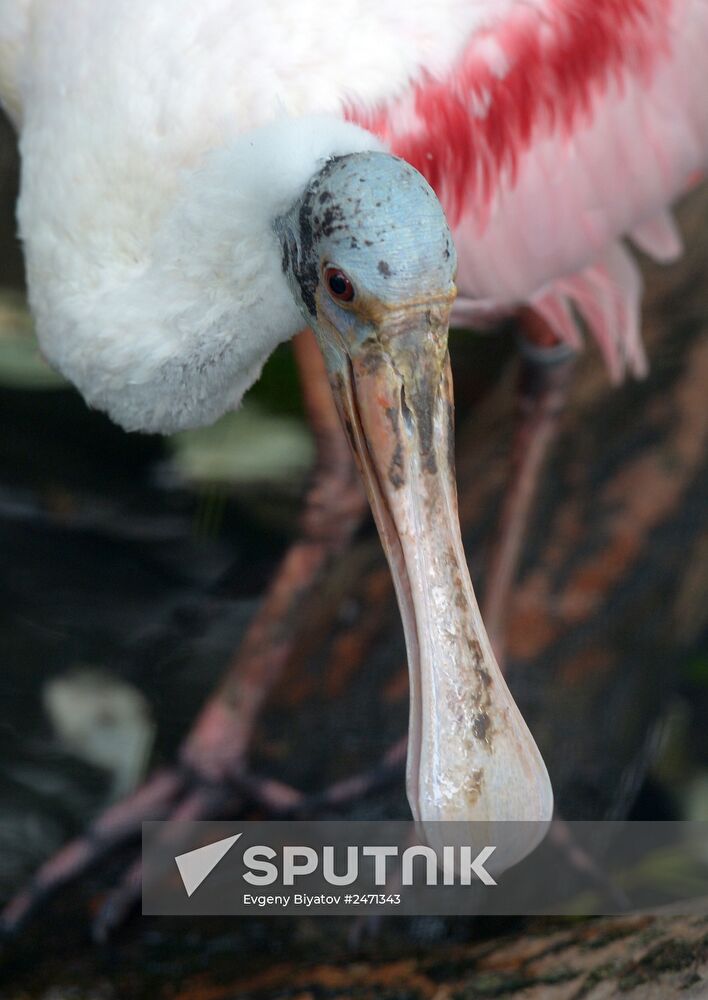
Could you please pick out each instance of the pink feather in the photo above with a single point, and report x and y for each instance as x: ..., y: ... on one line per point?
x: 563, y: 129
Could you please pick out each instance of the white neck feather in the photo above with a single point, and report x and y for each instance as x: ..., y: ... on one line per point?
x: 174, y: 339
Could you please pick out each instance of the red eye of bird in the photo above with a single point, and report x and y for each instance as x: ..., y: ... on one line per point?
x: 339, y: 285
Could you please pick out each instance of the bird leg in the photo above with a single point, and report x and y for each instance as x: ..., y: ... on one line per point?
x: 334, y: 508
x: 541, y: 391
x: 212, y: 773
x: 542, y: 388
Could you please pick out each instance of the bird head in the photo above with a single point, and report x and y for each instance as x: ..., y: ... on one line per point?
x: 370, y: 260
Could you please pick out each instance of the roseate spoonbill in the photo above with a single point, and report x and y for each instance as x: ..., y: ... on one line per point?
x: 200, y: 182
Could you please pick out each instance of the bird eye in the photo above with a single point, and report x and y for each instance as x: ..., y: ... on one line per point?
x: 338, y: 284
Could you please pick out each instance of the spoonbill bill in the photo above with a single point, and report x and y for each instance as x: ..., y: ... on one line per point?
x: 200, y: 182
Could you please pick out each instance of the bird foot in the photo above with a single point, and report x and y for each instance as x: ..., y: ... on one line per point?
x: 180, y: 794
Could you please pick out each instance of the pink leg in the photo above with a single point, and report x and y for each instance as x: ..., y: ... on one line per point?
x: 334, y: 507
x: 212, y: 774
x: 541, y: 391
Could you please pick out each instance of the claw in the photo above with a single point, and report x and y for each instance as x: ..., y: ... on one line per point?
x: 118, y: 904
x: 204, y: 802
x: 113, y: 827
x: 360, y: 785
x: 281, y: 800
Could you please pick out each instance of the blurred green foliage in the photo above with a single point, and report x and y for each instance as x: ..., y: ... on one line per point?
x: 696, y: 670
x: 249, y: 445
x: 265, y: 441
x: 21, y: 363
x: 278, y: 388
